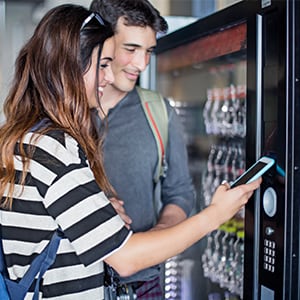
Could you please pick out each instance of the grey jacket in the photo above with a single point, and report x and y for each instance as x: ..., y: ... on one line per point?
x: 130, y: 158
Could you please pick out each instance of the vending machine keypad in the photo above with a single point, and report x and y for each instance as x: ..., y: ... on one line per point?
x: 269, y: 255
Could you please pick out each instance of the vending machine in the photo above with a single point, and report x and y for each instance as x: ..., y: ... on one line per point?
x: 233, y: 78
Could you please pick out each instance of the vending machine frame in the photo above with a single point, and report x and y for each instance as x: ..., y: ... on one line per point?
x: 273, y: 99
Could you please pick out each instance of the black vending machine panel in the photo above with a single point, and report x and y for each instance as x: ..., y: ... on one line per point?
x: 272, y: 195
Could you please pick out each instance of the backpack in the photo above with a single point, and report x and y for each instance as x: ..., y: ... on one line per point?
x: 156, y: 113
x: 12, y: 290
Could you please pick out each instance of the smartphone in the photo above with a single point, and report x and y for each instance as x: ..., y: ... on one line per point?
x: 255, y: 171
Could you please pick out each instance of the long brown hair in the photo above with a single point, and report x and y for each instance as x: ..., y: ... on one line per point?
x: 48, y: 83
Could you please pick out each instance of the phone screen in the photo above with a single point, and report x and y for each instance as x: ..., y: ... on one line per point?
x: 249, y: 174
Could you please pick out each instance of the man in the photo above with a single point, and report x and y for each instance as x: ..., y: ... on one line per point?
x: 130, y: 151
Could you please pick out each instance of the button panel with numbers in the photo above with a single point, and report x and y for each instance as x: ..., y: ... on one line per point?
x: 269, y: 255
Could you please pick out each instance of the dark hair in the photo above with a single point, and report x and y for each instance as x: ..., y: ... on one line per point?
x: 48, y: 83
x: 135, y: 13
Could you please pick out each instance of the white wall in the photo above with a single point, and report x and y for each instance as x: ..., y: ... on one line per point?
x: 16, y: 27
x: 2, y: 53
x: 17, y: 22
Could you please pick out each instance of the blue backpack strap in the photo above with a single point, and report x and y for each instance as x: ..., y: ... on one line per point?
x: 156, y: 112
x: 3, y: 274
x: 18, y: 290
x: 41, y: 264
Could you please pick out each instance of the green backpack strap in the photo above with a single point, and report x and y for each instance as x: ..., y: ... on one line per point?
x: 156, y: 112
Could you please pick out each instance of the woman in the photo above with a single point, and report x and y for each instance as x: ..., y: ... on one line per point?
x: 49, y: 104
x: 51, y: 174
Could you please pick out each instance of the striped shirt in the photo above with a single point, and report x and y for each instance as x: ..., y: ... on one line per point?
x: 60, y: 190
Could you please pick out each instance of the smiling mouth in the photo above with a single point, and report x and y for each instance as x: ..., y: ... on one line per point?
x: 132, y: 76
x: 100, y: 91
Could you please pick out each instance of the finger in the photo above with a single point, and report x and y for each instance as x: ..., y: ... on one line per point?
x: 114, y: 199
x: 126, y: 218
x: 254, y: 184
x: 117, y: 204
x: 225, y: 185
x: 127, y: 226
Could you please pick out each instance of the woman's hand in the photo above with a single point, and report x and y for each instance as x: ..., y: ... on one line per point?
x: 118, y: 205
x: 228, y: 201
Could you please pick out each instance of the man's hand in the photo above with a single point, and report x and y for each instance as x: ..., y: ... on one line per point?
x: 169, y: 216
x: 118, y: 206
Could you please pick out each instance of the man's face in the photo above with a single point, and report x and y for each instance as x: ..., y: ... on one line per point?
x: 133, y: 48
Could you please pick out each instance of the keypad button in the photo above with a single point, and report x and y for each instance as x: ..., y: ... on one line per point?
x: 269, y: 255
